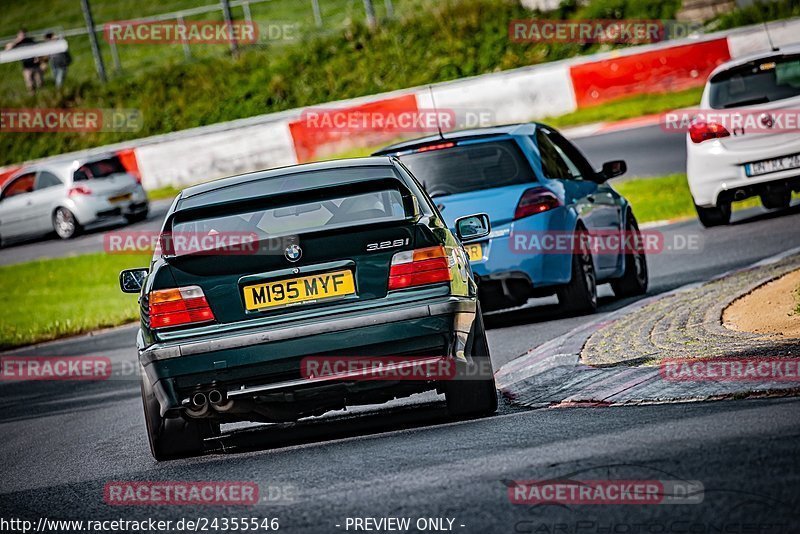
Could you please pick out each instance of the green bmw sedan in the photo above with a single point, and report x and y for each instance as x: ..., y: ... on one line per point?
x: 288, y: 293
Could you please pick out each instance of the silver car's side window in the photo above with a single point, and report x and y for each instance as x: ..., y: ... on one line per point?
x: 21, y: 185
x: 47, y: 179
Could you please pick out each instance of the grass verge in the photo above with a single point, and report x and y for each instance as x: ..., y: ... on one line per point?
x: 658, y: 199
x: 666, y: 198
x: 53, y: 298
x: 162, y: 193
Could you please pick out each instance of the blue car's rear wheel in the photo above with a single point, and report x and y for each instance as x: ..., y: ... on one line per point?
x: 579, y: 296
x: 473, y: 392
x: 635, y: 278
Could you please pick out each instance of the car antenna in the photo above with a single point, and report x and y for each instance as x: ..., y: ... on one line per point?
x: 436, y: 112
x: 769, y: 38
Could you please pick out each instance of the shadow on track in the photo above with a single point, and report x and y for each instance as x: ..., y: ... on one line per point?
x: 328, y: 428
x: 543, y: 313
x: 764, y: 215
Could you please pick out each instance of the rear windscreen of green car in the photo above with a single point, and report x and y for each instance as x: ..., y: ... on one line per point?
x: 754, y: 83
x: 303, y: 217
x: 461, y: 169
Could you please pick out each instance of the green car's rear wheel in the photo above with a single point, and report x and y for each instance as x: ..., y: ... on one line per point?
x: 171, y: 437
x: 473, y: 390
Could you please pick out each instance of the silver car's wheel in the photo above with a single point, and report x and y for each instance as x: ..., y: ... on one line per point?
x: 65, y: 224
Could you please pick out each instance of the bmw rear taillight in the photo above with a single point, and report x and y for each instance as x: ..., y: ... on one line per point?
x: 419, y: 268
x: 178, y: 307
x: 536, y: 200
x: 703, y: 131
x: 79, y: 190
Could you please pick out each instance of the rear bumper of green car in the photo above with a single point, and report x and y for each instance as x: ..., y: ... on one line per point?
x: 266, y: 359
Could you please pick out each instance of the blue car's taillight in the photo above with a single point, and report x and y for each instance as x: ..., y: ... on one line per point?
x: 536, y: 200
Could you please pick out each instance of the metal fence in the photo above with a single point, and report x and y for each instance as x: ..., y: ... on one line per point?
x: 309, y: 15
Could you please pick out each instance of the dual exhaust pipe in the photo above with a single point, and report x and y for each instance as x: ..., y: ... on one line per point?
x: 200, y: 403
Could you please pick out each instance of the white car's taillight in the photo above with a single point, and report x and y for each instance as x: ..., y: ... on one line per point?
x: 79, y: 190
x: 703, y: 131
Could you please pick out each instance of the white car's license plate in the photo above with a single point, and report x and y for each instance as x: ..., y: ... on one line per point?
x: 772, y: 165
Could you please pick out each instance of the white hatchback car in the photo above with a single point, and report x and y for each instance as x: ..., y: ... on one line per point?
x: 758, y: 155
x: 66, y: 197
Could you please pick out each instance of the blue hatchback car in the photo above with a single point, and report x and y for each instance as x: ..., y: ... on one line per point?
x: 543, y: 197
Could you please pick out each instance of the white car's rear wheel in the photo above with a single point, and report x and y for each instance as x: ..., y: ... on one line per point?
x: 777, y: 200
x: 715, y: 216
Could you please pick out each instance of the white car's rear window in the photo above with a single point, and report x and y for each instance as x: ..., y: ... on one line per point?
x: 758, y: 82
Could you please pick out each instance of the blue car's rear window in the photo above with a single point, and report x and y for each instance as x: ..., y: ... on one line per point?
x: 461, y: 169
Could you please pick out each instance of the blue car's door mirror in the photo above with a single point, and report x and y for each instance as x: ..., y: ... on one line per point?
x: 612, y: 169
x: 473, y: 227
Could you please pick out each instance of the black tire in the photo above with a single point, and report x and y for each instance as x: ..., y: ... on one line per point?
x: 635, y: 279
x: 716, y: 216
x: 65, y: 224
x: 777, y: 200
x: 137, y: 217
x: 579, y: 296
x: 171, y: 438
x: 473, y: 391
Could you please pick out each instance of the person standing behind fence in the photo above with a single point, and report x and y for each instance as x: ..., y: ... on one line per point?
x: 31, y: 69
x: 59, y: 63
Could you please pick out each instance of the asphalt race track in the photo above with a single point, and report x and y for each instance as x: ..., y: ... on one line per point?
x: 648, y: 150
x: 62, y: 442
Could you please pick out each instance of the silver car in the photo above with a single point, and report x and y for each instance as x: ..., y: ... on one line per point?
x: 66, y: 197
